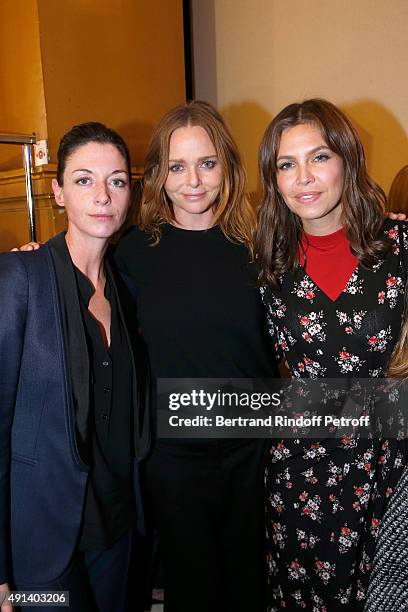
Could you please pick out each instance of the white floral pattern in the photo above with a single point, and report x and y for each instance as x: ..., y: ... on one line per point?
x: 393, y: 287
x: 355, y: 284
x: 305, y: 289
x: 348, y: 362
x: 313, y: 326
x: 379, y: 341
x: 327, y: 497
x: 313, y: 368
x: 285, y: 339
x: 351, y: 321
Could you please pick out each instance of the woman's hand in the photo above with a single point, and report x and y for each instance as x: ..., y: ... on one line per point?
x: 30, y: 246
x: 6, y: 606
x: 395, y: 216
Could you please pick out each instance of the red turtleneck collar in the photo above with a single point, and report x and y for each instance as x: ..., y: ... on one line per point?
x: 328, y: 261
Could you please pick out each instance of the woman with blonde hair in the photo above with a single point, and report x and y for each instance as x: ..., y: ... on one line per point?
x: 199, y: 311
x: 334, y: 277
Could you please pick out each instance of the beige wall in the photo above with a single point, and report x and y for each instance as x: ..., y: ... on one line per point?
x: 64, y: 62
x: 22, y: 102
x: 268, y: 53
x: 119, y: 62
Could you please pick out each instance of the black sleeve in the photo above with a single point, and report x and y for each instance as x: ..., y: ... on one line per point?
x: 125, y: 255
x: 14, y: 301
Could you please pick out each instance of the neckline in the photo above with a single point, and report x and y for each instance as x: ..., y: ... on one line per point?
x: 173, y: 229
x: 322, y: 292
x: 326, y: 240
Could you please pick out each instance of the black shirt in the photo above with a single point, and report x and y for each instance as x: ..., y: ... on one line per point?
x: 198, y: 304
x: 109, y: 505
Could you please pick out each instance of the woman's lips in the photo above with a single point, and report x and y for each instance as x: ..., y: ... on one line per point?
x: 194, y: 196
x: 308, y: 197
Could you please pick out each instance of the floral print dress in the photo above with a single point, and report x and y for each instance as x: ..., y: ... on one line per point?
x: 325, y: 498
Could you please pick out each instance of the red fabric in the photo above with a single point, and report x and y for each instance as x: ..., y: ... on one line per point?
x: 329, y: 261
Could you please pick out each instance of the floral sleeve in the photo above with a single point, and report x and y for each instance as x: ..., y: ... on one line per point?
x: 404, y: 227
x: 272, y: 329
x: 397, y: 231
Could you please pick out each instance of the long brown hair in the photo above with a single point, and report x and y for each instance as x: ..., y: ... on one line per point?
x: 233, y: 211
x: 363, y: 201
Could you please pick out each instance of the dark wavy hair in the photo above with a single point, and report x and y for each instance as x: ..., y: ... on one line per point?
x: 363, y: 201
x: 232, y: 210
x: 84, y: 133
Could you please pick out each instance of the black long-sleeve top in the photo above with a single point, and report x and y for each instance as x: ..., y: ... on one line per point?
x: 197, y: 303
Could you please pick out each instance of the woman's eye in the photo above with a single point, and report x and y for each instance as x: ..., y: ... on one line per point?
x: 209, y: 164
x: 84, y: 180
x: 285, y: 165
x: 322, y: 157
x: 176, y: 168
x: 118, y: 182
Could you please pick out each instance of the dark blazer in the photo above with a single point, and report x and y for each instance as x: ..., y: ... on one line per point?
x: 42, y: 474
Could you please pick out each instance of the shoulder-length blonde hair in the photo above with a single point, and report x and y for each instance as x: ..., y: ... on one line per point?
x: 232, y: 209
x: 363, y: 201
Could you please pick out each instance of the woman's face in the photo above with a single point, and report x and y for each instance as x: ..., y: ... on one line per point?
x: 95, y: 191
x: 310, y: 178
x: 195, y: 177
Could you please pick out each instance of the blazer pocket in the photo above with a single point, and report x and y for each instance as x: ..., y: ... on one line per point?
x: 27, y: 422
x: 22, y: 459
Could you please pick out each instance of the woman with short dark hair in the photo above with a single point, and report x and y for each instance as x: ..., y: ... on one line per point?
x: 73, y: 393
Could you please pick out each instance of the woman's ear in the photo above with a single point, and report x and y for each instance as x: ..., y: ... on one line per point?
x: 58, y: 194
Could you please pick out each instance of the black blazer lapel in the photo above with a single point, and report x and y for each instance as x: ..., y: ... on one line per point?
x: 140, y: 365
x: 75, y: 343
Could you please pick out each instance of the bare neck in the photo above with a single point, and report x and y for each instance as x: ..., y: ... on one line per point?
x: 87, y: 255
x: 196, y: 222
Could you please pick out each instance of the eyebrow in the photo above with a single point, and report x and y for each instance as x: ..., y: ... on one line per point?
x: 199, y: 159
x: 319, y: 148
x: 91, y: 171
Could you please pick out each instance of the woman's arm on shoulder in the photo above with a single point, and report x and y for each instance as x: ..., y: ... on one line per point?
x: 396, y: 216
x: 29, y: 246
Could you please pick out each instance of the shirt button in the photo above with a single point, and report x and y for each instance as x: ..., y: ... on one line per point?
x: 105, y: 364
x: 105, y: 417
x: 106, y: 389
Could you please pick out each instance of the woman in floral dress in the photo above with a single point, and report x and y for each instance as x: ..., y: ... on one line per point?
x: 333, y: 285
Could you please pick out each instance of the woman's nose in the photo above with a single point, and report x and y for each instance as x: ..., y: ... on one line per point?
x: 102, y: 195
x: 304, y: 175
x: 193, y: 177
